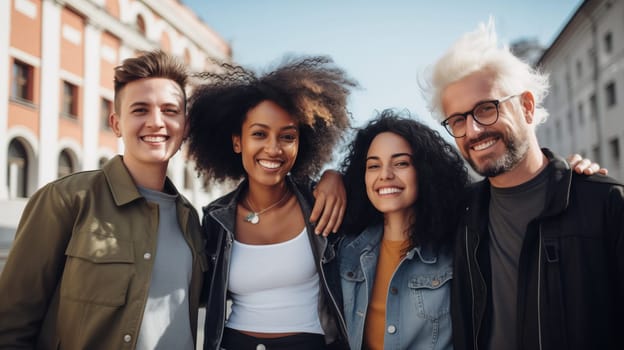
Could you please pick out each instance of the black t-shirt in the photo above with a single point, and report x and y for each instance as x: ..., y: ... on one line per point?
x: 511, y: 209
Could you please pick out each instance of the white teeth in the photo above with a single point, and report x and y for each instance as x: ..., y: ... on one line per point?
x: 151, y: 138
x: 389, y: 190
x: 483, y: 145
x: 269, y: 164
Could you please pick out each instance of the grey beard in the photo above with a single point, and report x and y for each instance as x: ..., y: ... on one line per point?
x: 516, y: 151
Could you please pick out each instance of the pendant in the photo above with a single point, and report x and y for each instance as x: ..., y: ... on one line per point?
x: 252, y: 218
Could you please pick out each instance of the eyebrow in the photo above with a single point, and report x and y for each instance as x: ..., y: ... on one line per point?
x: 473, y: 107
x: 144, y: 104
x: 396, y: 155
x: 288, y: 127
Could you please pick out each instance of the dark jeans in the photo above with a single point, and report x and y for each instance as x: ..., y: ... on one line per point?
x: 235, y: 340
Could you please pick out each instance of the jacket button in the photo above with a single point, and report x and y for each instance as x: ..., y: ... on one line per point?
x: 435, y: 283
x: 147, y: 256
x: 391, y: 329
x: 350, y: 274
x: 127, y: 338
x: 260, y: 347
x: 394, y: 290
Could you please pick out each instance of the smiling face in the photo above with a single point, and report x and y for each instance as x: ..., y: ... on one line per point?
x: 390, y: 177
x: 268, y: 143
x: 495, y: 149
x: 151, y: 121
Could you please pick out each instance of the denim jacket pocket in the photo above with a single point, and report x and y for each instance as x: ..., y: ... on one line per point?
x: 98, y: 270
x: 432, y: 293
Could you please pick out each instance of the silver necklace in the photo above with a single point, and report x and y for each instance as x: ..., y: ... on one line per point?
x: 253, y: 216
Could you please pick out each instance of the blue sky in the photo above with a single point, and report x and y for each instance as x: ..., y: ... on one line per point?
x: 385, y: 45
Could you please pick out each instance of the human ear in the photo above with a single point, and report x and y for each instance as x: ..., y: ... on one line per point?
x: 113, y: 122
x: 528, y: 106
x: 236, y: 143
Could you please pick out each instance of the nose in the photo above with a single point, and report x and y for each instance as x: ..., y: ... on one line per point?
x: 272, y: 147
x: 472, y: 127
x: 386, y: 173
x: 156, y: 119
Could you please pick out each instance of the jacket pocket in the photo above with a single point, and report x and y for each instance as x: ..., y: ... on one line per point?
x: 98, y: 270
x: 431, y: 293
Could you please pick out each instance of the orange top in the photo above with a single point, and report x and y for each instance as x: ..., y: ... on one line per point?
x: 390, y: 255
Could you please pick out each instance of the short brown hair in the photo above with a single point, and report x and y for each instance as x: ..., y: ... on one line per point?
x: 151, y: 64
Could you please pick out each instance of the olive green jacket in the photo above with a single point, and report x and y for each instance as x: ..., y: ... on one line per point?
x: 79, y: 271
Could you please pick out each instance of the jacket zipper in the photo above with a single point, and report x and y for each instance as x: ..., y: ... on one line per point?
x: 475, y: 331
x: 328, y: 292
x: 228, y: 244
x: 539, y: 282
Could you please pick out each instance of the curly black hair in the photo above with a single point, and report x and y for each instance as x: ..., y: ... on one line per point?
x: 442, y: 181
x: 311, y: 89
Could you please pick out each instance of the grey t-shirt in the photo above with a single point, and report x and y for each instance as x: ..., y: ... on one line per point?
x: 511, y: 210
x: 166, y: 320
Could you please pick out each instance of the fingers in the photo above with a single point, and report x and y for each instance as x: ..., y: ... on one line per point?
x: 573, y: 159
x: 588, y: 167
x: 328, y: 219
x: 341, y: 211
x: 319, y: 204
x: 329, y: 210
x: 582, y: 166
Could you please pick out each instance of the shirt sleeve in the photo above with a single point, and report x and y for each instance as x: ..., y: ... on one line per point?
x: 34, y: 267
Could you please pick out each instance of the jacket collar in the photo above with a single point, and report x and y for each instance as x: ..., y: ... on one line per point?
x: 559, y: 183
x: 122, y: 186
x: 557, y: 193
x: 224, y: 209
x: 120, y: 182
x: 370, y: 239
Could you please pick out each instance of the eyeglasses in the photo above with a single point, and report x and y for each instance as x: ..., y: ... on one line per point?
x: 484, y: 113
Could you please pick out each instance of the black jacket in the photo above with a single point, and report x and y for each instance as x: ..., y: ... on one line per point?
x: 570, y: 272
x: 218, y: 226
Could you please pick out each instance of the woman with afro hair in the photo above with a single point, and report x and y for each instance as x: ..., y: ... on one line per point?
x: 405, y: 186
x: 274, y: 131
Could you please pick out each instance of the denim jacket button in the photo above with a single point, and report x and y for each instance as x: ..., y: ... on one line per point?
x: 394, y: 290
x: 350, y: 274
x: 391, y: 329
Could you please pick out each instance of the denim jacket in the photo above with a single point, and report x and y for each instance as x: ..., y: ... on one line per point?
x: 417, y: 308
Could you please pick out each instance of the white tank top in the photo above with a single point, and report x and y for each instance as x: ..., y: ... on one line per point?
x: 274, y: 287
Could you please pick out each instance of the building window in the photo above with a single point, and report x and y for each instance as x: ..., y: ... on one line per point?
x: 615, y: 150
x: 579, y: 68
x: 65, y: 164
x: 593, y: 107
x: 106, y: 107
x: 570, y: 122
x: 608, y: 42
x: 581, y: 113
x: 17, y: 170
x: 69, y: 105
x: 140, y: 24
x: 610, y: 94
x: 596, y: 154
x: 22, y: 84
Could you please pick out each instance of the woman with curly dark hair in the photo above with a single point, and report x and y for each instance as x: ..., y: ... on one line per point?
x: 405, y: 186
x: 274, y: 131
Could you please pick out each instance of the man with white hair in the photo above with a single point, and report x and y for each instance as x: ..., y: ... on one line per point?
x: 539, y: 260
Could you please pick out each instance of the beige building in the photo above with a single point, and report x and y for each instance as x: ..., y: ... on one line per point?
x: 586, y: 102
x: 57, y: 90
